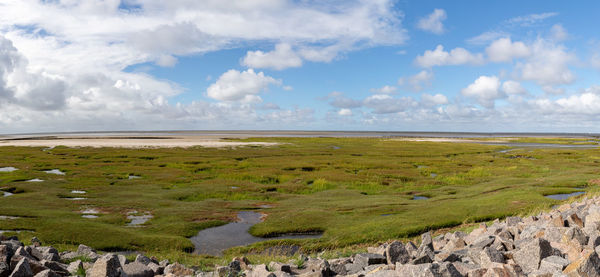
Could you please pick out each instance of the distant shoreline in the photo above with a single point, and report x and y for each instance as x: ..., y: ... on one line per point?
x: 293, y: 133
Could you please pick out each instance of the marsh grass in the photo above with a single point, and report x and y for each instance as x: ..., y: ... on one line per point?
x: 357, y: 194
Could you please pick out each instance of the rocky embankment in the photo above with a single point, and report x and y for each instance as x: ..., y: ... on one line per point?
x: 562, y: 242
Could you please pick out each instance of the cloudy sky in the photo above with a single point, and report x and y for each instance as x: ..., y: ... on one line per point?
x: 94, y: 65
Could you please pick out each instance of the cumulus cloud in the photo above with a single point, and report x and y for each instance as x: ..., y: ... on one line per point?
x: 548, y: 65
x: 345, y: 112
x: 433, y: 22
x: 281, y: 58
x: 513, y: 88
x: 485, y: 90
x: 385, y: 90
x: 385, y: 104
x: 338, y: 100
x: 504, y: 50
x: 433, y: 100
x: 418, y: 81
x: 244, y: 86
x: 558, y: 32
x: 456, y: 56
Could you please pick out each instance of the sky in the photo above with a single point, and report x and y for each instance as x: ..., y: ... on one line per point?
x: 367, y: 65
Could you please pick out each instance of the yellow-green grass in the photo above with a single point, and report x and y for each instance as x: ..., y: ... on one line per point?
x: 355, y: 190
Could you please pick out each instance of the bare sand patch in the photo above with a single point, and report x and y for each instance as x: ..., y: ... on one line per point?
x: 128, y: 142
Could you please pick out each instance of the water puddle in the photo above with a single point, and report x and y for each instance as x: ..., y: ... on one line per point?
x: 130, y: 177
x: 213, y: 241
x: 234, y: 187
x: 541, y: 145
x: 433, y: 175
x: 54, y: 171
x: 7, y: 194
x: 564, y: 196
x: 265, y: 206
x: 8, y: 169
x: 34, y: 180
x: 90, y: 211
x: 7, y: 217
x: 89, y: 216
x: 74, y: 198
x: 416, y: 197
x: 138, y: 220
x: 13, y: 231
x: 79, y: 191
x: 335, y: 147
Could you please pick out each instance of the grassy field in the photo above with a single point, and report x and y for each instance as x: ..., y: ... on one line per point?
x: 355, y: 190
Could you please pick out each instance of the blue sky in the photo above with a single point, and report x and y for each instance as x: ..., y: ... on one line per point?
x: 489, y: 66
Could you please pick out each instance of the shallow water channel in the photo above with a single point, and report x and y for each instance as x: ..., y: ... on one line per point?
x: 213, y: 241
x: 564, y: 196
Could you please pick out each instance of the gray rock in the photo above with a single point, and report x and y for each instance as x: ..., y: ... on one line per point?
x: 489, y: 256
x: 55, y: 266
x: 45, y: 253
x: 338, y: 266
x: 259, y: 271
x: 464, y: 268
x: 122, y: 259
x: 107, y: 265
x: 22, y: 269
x: 6, y: 252
x: 532, y: 253
x: 142, y: 259
x: 587, y: 265
x: 35, y: 242
x: 4, y: 269
x: 418, y: 270
x: 411, y: 248
x: 157, y: 269
x: 424, y: 256
x: 275, y: 266
x: 179, y: 270
x: 137, y: 269
x: 366, y: 259
x: 75, y: 266
x: 426, y: 241
x: 396, y: 252
x: 320, y: 266
x: 482, y: 242
x: 47, y: 273
x: 553, y: 264
x: 513, y: 220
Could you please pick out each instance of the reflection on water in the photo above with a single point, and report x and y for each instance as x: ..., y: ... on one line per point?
x: 55, y: 171
x: 540, y: 145
x: 213, y: 241
x: 564, y: 196
x: 416, y: 197
x: 34, y: 180
x: 138, y: 220
x: 8, y: 169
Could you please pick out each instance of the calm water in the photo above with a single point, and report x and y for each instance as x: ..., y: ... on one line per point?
x: 213, y: 241
x: 565, y: 195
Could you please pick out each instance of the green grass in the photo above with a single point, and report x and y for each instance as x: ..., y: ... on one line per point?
x: 358, y: 194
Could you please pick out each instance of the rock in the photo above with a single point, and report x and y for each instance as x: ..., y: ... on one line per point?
x: 13, y: 244
x: 574, y: 220
x: 107, y: 265
x: 593, y: 215
x: 142, y: 259
x: 482, y: 242
x: 513, y: 220
x: 275, y: 266
x: 587, y: 265
x: 321, y: 267
x: 377, y: 250
x: 366, y: 259
x: 55, y: 266
x: 22, y: 269
x: 501, y: 270
x: 178, y: 270
x: 6, y: 253
x: 338, y: 266
x: 418, y: 270
x: 75, y: 266
x: 411, y: 248
x: 47, y: 273
x: 260, y: 271
x: 489, y: 256
x: 244, y: 262
x: 122, y: 259
x: 426, y: 241
x: 553, y: 264
x: 35, y: 242
x: 35, y: 266
x: 157, y: 269
x: 396, y: 252
x: 235, y: 266
x: 137, y: 269
x: 464, y: 268
x: 45, y: 253
x: 424, y: 256
x: 531, y: 254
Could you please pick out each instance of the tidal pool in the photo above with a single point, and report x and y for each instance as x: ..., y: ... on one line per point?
x: 564, y: 196
x: 55, y: 171
x: 8, y: 169
x: 7, y: 194
x: 138, y: 220
x: 213, y: 241
x: 416, y: 197
x: 79, y: 191
x: 34, y: 180
x: 133, y: 177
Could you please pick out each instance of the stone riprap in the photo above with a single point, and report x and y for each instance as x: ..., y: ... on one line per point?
x: 562, y: 242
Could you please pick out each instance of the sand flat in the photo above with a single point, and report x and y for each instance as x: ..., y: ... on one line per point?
x: 128, y: 142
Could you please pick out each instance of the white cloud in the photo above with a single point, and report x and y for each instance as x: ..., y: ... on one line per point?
x: 345, y: 112
x: 385, y: 104
x: 585, y: 103
x: 385, y: 90
x: 234, y: 85
x: 338, y: 100
x: 548, y: 65
x: 513, y: 88
x: 456, y: 56
x: 433, y: 100
x: 433, y: 22
x: 166, y: 61
x: 558, y: 32
x: 418, y: 81
x: 485, y: 90
x: 281, y: 58
x: 531, y: 19
x: 504, y: 50
x: 77, y: 50
x: 487, y: 37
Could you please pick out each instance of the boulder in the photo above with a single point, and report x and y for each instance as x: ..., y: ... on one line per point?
x: 178, y: 270
x: 365, y: 259
x: 532, y: 253
x: 553, y: 264
x: 22, y: 269
x: 137, y: 269
x: 418, y: 270
x: 396, y: 252
x: 426, y: 241
x: 142, y: 259
x: 587, y: 265
x: 107, y: 265
x: 275, y: 266
x: 45, y: 253
x: 489, y: 256
x: 47, y: 273
x: 75, y: 266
